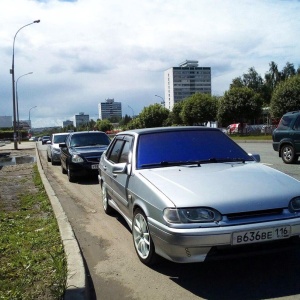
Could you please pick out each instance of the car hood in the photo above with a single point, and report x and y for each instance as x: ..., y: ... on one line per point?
x: 227, y: 187
x: 88, y: 150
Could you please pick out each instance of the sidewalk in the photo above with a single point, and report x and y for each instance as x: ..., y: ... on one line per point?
x: 76, y: 281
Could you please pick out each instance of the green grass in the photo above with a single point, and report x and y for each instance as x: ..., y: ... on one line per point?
x: 33, y: 263
x: 267, y: 137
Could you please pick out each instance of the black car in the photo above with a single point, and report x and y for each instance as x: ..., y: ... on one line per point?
x: 80, y: 154
x: 286, y: 137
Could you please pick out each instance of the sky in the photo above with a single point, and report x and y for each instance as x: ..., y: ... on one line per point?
x: 86, y: 51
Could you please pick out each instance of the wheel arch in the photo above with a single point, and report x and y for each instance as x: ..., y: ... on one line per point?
x: 139, y: 204
x: 283, y: 143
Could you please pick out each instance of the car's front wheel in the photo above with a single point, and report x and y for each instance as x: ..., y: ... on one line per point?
x: 71, y: 176
x: 142, y: 240
x: 107, y: 208
x: 288, y: 154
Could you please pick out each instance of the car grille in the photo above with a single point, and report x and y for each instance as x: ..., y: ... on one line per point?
x: 254, y: 214
x: 93, y: 159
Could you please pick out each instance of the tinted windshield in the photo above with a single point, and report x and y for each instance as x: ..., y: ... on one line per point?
x: 89, y: 139
x: 184, y: 146
x: 59, y: 138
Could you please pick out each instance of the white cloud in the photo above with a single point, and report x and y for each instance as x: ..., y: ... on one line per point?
x: 83, y: 52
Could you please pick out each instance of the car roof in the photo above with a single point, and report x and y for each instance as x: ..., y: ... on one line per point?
x: 61, y: 133
x: 167, y: 129
x: 86, y: 132
x: 292, y: 113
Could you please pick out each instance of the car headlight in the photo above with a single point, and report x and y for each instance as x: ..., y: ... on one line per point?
x: 191, y: 215
x: 294, y: 205
x: 77, y: 159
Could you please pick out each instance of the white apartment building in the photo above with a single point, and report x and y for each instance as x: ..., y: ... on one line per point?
x: 81, y: 119
x: 184, y: 81
x: 109, y: 109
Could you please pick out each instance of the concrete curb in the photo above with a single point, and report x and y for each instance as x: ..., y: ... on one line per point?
x: 76, y: 280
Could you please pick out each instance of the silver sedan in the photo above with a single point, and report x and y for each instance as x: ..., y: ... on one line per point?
x: 191, y: 194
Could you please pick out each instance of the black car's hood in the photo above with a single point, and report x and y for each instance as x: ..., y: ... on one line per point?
x: 88, y: 150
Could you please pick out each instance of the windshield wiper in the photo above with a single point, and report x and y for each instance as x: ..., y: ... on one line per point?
x: 193, y: 162
x: 213, y: 160
x: 164, y: 164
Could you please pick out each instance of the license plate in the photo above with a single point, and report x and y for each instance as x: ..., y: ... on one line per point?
x: 95, y: 166
x: 262, y: 235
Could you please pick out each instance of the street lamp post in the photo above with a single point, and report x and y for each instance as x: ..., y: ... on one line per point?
x: 12, y: 72
x: 132, y: 111
x: 18, y: 121
x: 29, y: 114
x: 163, y: 100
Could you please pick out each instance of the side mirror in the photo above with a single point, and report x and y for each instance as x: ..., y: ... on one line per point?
x: 255, y: 156
x: 120, y: 168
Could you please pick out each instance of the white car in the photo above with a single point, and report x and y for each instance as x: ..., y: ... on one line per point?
x: 53, y: 150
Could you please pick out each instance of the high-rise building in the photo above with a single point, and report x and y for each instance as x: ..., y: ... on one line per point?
x: 81, y: 119
x: 109, y: 109
x: 184, y: 81
x: 67, y: 123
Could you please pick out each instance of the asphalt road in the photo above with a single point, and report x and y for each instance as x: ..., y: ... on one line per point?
x: 116, y: 273
x: 270, y: 157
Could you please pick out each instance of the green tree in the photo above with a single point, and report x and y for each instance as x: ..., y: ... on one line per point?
x: 251, y: 80
x: 135, y: 123
x: 288, y: 71
x: 104, y: 125
x: 175, y: 114
x: 286, y: 97
x: 239, y: 105
x: 198, y: 109
x: 154, y: 115
x: 125, y: 120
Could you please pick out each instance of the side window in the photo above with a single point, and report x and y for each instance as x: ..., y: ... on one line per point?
x: 119, y: 151
x: 125, y: 152
x: 285, y: 123
x: 297, y: 124
x: 116, y: 151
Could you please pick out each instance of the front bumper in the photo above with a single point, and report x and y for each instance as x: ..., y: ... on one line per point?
x: 201, y: 244
x: 83, y: 169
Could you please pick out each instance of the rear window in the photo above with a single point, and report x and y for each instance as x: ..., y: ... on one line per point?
x: 285, y: 122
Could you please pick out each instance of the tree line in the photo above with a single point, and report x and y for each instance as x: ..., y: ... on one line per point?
x: 278, y: 91
x: 243, y: 102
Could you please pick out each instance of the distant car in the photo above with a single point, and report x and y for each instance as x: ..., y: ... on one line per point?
x: 80, y: 153
x: 237, y: 128
x: 286, y: 137
x: 33, y: 139
x: 191, y: 194
x: 53, y: 150
x: 45, y: 139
